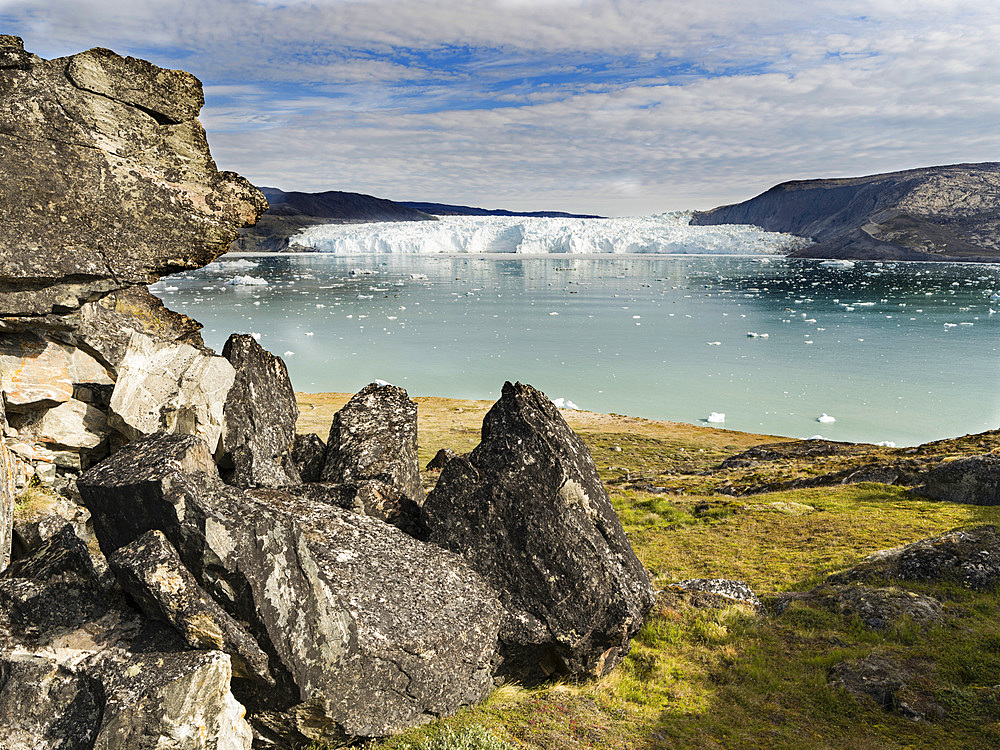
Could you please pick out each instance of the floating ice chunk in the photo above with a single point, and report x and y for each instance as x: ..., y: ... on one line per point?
x: 418, y: 276
x: 816, y: 437
x: 950, y: 325
x: 837, y: 264
x: 565, y: 403
x: 362, y: 272
x: 288, y: 354
x: 170, y: 288
x: 379, y: 382
x: 553, y: 313
x: 240, y: 264
x: 247, y: 281
x: 825, y: 418
x: 886, y: 444
x: 716, y: 417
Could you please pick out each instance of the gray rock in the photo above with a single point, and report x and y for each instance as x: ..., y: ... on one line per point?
x: 377, y: 630
x: 374, y: 436
x: 370, y: 498
x: 946, y: 213
x: 737, y: 591
x: 8, y: 489
x: 164, y: 386
x: 150, y: 570
x: 974, y: 480
x: 258, y: 418
x: 38, y: 372
x: 890, y: 684
x: 308, y: 454
x: 528, y: 511
x: 969, y: 557
x: 114, y: 179
x: 877, y: 608
x: 45, y: 706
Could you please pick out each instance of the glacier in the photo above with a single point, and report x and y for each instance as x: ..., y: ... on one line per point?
x: 667, y: 233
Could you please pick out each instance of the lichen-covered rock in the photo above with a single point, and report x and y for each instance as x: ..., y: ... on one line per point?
x: 150, y: 570
x: 166, y: 386
x: 375, y: 437
x: 889, y: 683
x: 39, y: 372
x: 877, y: 608
x: 8, y: 486
x: 136, y: 686
x: 734, y: 591
x: 969, y: 557
x: 258, y: 418
x: 371, y: 498
x: 528, y: 511
x: 308, y: 454
x: 974, y: 480
x: 377, y: 630
x: 114, y: 181
x: 44, y: 705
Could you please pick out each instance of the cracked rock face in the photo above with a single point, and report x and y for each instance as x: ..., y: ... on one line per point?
x: 528, y: 511
x: 107, y: 177
x: 258, y: 418
x: 375, y: 437
x: 375, y: 630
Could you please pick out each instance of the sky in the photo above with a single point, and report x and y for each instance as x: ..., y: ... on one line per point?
x: 614, y: 107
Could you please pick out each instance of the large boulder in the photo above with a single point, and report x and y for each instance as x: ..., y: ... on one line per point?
x: 172, y: 387
x: 974, y: 480
x: 109, y: 176
x: 528, y: 511
x: 259, y: 418
x: 374, y: 436
x: 375, y: 630
x: 38, y: 372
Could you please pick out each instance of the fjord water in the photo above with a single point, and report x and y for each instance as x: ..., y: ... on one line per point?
x: 894, y: 352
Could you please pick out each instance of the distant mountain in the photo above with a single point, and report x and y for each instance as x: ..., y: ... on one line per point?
x: 291, y: 211
x: 946, y: 213
x: 445, y: 209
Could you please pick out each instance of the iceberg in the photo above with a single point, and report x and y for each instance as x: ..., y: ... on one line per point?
x: 716, y: 417
x: 246, y: 281
x: 668, y: 233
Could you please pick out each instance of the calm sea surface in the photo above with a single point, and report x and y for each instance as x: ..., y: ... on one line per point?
x: 904, y: 353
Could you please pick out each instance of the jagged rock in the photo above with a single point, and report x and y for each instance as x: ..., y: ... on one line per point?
x: 114, y: 179
x: 258, y: 418
x: 73, y: 424
x: 8, y: 488
x: 528, y: 511
x: 171, y: 387
x: 44, y: 705
x: 308, y: 454
x: 377, y: 630
x: 35, y: 371
x: 45, y: 516
x: 974, y: 480
x: 889, y: 683
x: 734, y: 591
x: 374, y: 436
x: 106, y: 326
x: 148, y: 688
x: 371, y: 498
x: 970, y: 557
x: 150, y: 570
x: 441, y: 459
x: 876, y: 607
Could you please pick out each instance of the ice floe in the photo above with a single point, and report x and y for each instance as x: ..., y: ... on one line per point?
x: 716, y: 417
x: 668, y: 233
x: 247, y: 281
x: 825, y: 418
x: 565, y: 403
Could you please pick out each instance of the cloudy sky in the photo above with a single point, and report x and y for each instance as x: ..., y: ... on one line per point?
x: 607, y: 106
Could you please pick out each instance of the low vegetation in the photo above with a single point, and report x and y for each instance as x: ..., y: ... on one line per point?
x: 731, y: 677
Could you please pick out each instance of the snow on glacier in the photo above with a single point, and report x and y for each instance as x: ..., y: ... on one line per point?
x: 668, y: 233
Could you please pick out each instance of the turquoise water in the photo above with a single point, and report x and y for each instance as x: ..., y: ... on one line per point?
x: 894, y: 352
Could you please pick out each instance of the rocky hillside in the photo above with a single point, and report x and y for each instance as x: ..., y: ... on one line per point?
x: 948, y: 213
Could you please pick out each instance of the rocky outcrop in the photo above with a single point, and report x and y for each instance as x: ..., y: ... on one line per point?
x: 370, y: 498
x: 8, y: 486
x: 947, y: 213
x: 374, y: 436
x: 890, y: 684
x: 308, y: 454
x: 724, y: 588
x: 259, y: 418
x: 974, y: 480
x: 528, y: 511
x: 170, y: 387
x: 441, y: 459
x: 150, y: 570
x: 876, y: 608
x: 969, y: 557
x: 373, y: 630
x: 81, y: 669
x: 114, y: 181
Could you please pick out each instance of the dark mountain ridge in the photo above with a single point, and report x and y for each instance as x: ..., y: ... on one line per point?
x: 943, y: 213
